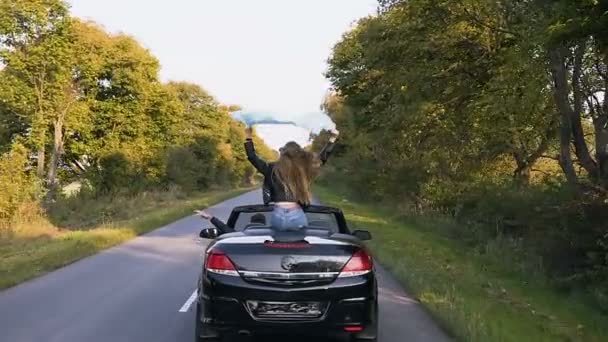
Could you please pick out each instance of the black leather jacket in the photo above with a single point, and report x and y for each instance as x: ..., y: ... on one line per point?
x: 272, y: 189
x: 219, y: 224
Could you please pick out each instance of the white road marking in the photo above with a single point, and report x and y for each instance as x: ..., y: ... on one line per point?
x: 189, y: 302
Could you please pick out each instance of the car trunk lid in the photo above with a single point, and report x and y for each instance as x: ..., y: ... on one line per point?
x: 305, y: 261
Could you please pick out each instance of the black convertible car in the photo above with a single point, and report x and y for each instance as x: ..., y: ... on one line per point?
x: 315, y: 281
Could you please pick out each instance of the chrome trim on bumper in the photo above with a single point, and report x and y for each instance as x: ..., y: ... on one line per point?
x: 289, y: 276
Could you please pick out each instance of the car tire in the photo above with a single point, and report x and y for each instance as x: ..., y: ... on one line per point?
x: 201, y: 329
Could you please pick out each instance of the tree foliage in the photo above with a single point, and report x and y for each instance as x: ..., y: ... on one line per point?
x: 454, y: 86
x: 478, y: 108
x: 89, y: 107
x: 16, y: 186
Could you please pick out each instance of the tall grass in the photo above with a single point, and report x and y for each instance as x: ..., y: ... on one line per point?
x: 478, y: 295
x: 80, y: 226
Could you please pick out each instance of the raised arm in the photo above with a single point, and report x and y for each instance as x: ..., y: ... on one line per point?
x: 328, y: 148
x: 260, y: 164
x: 219, y: 224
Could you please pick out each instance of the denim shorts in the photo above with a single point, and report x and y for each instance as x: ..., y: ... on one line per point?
x: 287, y: 219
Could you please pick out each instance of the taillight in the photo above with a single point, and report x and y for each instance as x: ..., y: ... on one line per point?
x: 359, y: 264
x: 353, y: 329
x: 218, y: 262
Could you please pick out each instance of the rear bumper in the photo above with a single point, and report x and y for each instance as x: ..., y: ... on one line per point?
x: 352, y: 303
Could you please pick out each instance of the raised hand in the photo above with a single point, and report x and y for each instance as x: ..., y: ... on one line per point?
x: 249, y: 132
x: 203, y: 214
x: 334, y: 135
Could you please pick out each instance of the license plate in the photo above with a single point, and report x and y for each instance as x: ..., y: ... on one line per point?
x: 286, y: 309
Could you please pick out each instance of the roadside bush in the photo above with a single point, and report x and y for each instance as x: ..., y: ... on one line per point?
x: 120, y: 173
x: 205, y: 148
x: 183, y: 168
x: 113, y: 173
x: 543, y: 227
x: 87, y: 209
x: 17, y: 186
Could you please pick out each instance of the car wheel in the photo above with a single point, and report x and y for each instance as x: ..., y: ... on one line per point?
x: 202, y: 332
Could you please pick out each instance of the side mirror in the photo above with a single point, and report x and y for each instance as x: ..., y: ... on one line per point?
x: 209, y: 233
x: 362, y: 235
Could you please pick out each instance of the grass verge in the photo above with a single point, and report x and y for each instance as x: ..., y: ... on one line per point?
x: 41, y: 246
x: 476, y: 297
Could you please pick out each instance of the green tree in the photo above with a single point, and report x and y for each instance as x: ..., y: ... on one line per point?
x: 578, y: 50
x: 445, y: 86
x: 33, y: 47
x: 90, y: 104
x: 16, y: 185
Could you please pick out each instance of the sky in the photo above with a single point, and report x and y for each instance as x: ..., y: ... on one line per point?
x: 264, y: 55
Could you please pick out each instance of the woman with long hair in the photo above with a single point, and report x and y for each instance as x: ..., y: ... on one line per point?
x: 287, y: 181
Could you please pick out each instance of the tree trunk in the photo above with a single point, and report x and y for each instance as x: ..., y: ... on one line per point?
x: 39, y: 135
x: 38, y: 123
x: 522, y: 175
x: 40, y: 162
x: 601, y: 145
x: 525, y: 163
x: 560, y: 95
x: 580, y: 145
x: 565, y: 159
x: 56, y: 152
x: 601, y: 132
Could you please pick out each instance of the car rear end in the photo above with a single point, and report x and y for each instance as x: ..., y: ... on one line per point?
x: 314, y: 287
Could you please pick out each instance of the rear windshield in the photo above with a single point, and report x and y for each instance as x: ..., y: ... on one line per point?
x: 315, y: 220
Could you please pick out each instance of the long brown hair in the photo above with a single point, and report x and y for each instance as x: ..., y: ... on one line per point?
x: 295, y: 169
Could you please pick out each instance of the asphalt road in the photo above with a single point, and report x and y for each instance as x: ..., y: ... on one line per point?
x: 139, y: 291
